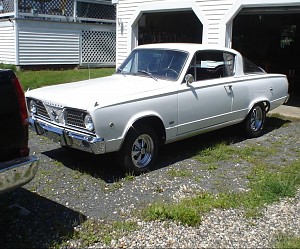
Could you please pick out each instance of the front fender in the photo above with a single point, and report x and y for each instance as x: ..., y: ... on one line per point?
x: 113, y: 123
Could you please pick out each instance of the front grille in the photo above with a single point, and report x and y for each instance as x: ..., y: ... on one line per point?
x: 75, y: 118
x: 41, y: 110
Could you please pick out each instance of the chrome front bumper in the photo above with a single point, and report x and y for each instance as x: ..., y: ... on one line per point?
x: 17, y: 172
x: 68, y: 138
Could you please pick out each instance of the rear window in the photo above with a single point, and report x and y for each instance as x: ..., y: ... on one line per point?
x: 251, y: 68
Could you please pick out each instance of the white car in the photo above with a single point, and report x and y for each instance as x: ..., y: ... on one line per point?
x: 160, y: 94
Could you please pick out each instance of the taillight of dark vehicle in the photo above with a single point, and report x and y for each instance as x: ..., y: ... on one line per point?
x: 24, y: 150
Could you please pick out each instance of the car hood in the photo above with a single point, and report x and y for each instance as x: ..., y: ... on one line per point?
x: 97, y: 92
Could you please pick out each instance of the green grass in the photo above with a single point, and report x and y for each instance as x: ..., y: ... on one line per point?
x: 179, y: 173
x: 36, y: 79
x: 285, y: 241
x: 188, y: 211
x: 223, y: 152
x: 92, y: 231
x: 7, y: 66
x: 266, y: 187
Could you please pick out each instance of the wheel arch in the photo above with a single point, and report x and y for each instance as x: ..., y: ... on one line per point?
x: 264, y: 102
x: 150, y: 120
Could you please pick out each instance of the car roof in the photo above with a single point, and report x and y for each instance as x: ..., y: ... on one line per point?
x: 189, y: 47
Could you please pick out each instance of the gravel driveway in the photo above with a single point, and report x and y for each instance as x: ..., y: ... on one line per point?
x: 73, y: 186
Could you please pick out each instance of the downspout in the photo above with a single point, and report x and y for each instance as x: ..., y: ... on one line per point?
x: 16, y: 32
x: 17, y: 62
x: 16, y: 9
x: 75, y: 11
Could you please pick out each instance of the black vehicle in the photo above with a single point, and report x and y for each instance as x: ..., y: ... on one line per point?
x: 17, y: 167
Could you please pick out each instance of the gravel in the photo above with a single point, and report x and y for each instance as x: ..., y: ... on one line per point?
x: 72, y: 187
x: 220, y: 229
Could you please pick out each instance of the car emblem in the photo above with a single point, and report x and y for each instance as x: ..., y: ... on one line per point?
x: 54, y: 115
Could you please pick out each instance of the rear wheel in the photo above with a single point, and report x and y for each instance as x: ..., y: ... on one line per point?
x: 255, y: 121
x: 139, y: 151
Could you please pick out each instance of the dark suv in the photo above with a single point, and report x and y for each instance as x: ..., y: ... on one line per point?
x: 17, y: 167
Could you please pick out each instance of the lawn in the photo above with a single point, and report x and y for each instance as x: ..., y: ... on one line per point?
x: 36, y: 79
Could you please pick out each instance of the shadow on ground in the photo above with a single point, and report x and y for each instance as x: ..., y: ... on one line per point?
x: 106, y: 166
x: 30, y: 221
x: 294, y: 100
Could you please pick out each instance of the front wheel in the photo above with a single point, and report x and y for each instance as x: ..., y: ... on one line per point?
x: 139, y: 151
x: 255, y: 121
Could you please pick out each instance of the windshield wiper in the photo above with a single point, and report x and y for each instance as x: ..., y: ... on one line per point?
x: 119, y: 70
x: 148, y: 73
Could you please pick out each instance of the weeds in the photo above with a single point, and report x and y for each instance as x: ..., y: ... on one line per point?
x: 179, y: 173
x: 224, y: 152
x: 266, y: 187
x: 92, y: 231
x: 285, y: 241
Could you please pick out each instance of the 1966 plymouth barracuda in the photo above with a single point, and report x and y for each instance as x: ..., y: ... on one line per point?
x: 160, y: 94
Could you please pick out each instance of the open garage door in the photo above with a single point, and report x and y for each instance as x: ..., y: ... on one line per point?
x: 270, y: 37
x: 177, y: 26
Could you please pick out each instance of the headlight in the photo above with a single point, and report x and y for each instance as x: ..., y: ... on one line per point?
x: 88, y: 122
x: 32, y: 107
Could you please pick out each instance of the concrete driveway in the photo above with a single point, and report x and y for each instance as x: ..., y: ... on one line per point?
x: 290, y: 109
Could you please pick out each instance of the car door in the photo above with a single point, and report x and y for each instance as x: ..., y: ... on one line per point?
x: 208, y: 100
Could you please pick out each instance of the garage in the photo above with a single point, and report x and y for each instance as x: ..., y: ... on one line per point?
x: 270, y: 37
x: 175, y: 26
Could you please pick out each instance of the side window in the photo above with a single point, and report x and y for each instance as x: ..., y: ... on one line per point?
x: 251, y: 68
x: 211, y: 64
x: 228, y: 64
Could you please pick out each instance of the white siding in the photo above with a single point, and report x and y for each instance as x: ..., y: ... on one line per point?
x: 7, y: 42
x: 48, y: 43
x: 44, y: 42
x: 48, y: 48
x: 212, y: 10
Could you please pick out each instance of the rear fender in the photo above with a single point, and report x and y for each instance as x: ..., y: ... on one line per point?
x: 263, y: 101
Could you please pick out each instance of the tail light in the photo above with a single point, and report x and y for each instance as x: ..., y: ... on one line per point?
x: 24, y: 150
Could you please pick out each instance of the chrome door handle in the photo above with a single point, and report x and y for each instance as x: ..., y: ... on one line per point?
x: 228, y: 89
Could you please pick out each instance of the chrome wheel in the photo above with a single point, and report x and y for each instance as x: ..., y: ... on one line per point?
x: 256, y: 119
x: 142, y: 151
x: 139, y: 150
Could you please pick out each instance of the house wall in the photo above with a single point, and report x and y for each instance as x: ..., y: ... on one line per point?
x: 41, y: 42
x: 7, y: 42
x: 215, y: 15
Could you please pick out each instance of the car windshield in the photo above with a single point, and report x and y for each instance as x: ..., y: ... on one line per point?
x: 155, y: 63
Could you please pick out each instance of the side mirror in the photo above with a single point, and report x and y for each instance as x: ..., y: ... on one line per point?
x: 189, y: 79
